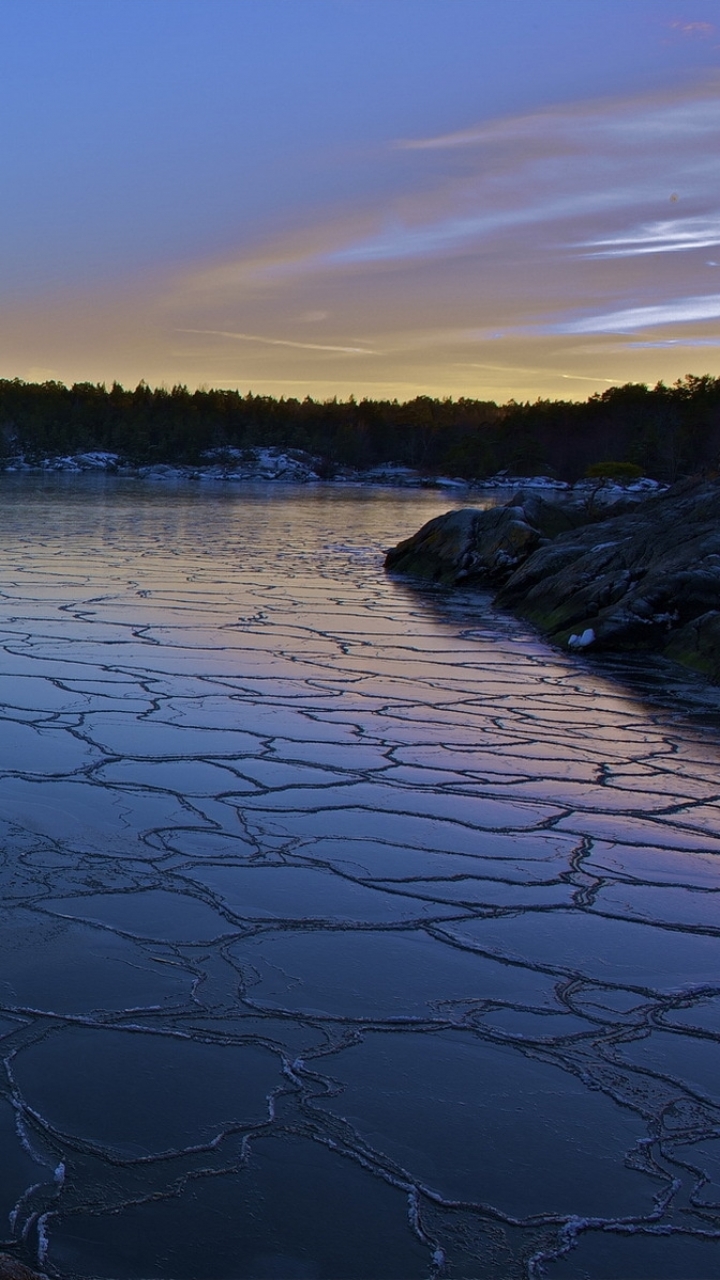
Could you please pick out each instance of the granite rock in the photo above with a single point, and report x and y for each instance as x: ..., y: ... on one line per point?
x: 647, y: 579
x: 481, y: 544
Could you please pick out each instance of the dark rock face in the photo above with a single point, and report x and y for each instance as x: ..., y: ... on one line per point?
x: 646, y: 579
x: 473, y: 544
x: 12, y: 1269
x: 697, y: 645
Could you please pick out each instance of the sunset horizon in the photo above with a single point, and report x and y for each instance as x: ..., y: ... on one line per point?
x: 383, y: 201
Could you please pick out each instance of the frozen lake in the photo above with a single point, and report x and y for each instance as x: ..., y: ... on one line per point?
x: 348, y: 931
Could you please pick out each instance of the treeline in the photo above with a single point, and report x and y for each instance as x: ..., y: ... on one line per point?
x: 666, y: 431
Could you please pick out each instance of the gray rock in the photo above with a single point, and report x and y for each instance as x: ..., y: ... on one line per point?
x: 474, y: 544
x: 633, y: 580
x: 645, y: 579
x: 697, y: 645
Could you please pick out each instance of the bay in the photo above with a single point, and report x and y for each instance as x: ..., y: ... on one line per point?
x: 347, y: 930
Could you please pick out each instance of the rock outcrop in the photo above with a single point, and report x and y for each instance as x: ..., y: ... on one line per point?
x: 473, y: 544
x: 12, y: 1269
x: 645, y: 579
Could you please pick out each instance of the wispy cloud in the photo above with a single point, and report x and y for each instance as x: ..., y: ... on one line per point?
x: 401, y: 240
x: 673, y: 342
x: 507, y: 247
x: 586, y: 166
x: 672, y: 115
x: 536, y: 369
x: 485, y: 270
x: 669, y: 236
x: 282, y: 342
x: 562, y: 165
x: 702, y: 29
x: 679, y: 311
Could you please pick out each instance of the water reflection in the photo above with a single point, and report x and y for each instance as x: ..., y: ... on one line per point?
x: 347, y: 931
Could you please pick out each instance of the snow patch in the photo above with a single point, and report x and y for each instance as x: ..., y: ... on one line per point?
x: 582, y: 641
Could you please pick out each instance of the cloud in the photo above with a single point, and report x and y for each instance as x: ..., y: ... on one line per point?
x: 570, y: 164
x: 673, y: 342
x: 679, y: 311
x: 554, y: 165
x: 538, y: 369
x: 404, y: 240
x: 445, y: 141
x: 528, y: 190
x: 673, y: 114
x: 482, y: 269
x: 702, y: 29
x: 584, y: 377
x: 669, y: 236
x: 282, y: 342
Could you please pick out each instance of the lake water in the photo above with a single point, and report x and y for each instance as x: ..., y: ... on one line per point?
x: 349, y: 932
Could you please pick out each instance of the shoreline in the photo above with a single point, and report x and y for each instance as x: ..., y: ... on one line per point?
x: 276, y: 465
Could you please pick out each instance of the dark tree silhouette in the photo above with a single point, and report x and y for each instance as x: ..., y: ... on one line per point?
x: 667, y: 431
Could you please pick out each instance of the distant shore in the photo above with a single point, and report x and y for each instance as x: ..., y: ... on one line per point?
x: 293, y: 466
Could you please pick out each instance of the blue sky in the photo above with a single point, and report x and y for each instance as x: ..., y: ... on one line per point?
x: 382, y: 197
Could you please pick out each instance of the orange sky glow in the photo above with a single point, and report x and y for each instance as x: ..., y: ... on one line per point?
x: 550, y: 243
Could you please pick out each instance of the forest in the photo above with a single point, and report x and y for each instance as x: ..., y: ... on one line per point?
x: 662, y: 431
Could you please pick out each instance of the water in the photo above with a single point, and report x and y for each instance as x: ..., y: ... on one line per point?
x: 348, y: 931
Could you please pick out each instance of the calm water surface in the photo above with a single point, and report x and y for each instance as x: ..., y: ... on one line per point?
x: 348, y: 931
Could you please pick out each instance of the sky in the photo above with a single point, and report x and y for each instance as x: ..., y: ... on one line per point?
x: 385, y: 198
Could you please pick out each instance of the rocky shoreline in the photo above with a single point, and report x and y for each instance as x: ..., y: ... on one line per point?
x: 296, y: 466
x: 640, y: 577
